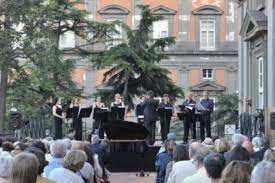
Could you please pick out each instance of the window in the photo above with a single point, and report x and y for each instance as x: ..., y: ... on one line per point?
x: 160, y: 29
x: 207, y: 73
x: 116, y: 36
x: 260, y: 83
x: 67, y: 40
x: 207, y: 34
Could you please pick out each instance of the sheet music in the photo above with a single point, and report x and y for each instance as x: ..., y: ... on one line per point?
x: 189, y: 107
x: 200, y: 107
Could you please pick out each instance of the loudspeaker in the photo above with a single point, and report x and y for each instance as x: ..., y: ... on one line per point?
x: 15, y: 120
x: 272, y: 120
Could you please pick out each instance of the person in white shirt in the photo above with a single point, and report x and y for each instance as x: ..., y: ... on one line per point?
x: 73, y: 162
x: 186, y: 168
x: 201, y: 175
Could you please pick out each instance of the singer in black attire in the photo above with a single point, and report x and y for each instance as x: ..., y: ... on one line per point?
x: 189, y: 119
x: 77, y: 122
x: 58, y: 119
x: 97, y: 125
x: 150, y: 116
x: 165, y: 119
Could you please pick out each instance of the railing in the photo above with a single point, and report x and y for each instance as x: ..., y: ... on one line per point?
x: 198, y: 46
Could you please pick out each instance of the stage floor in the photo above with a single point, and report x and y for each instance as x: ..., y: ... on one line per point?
x: 131, y: 177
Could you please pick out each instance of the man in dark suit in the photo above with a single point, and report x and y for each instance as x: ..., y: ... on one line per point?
x: 150, y: 116
x: 206, y: 115
x: 189, y: 120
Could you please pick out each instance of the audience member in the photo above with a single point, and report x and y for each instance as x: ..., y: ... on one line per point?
x: 180, y: 153
x: 200, y: 176
x: 264, y: 172
x: 87, y: 171
x: 58, y: 151
x: 214, y: 164
x: 40, y: 145
x: 42, y: 163
x: 73, y: 162
x: 269, y: 155
x: 237, y: 140
x: 19, y: 148
x: 248, y: 146
x: 236, y: 171
x: 71, y: 134
x: 262, y: 145
x: 24, y: 169
x: 209, y: 144
x: 222, y: 146
x: 7, y: 147
x: 183, y: 169
x: 238, y: 153
x: 5, y: 168
x: 68, y: 143
x: 163, y: 159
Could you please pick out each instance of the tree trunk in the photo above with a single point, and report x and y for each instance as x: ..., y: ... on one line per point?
x: 125, y: 89
x: 3, y: 91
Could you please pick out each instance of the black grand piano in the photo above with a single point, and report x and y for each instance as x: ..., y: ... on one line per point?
x: 128, y: 151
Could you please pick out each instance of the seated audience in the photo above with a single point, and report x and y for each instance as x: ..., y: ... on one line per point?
x: 40, y: 145
x: 180, y: 153
x: 42, y: 163
x: 238, y: 153
x: 183, y: 169
x: 19, y: 148
x: 200, y: 176
x: 7, y: 148
x: 87, y: 171
x: 248, y: 146
x: 263, y: 145
x: 73, y: 162
x: 269, y: 155
x: 222, y: 146
x: 163, y: 159
x: 5, y: 168
x: 71, y: 134
x: 58, y: 151
x: 264, y: 172
x: 214, y: 165
x: 24, y: 169
x: 236, y: 171
x: 237, y: 140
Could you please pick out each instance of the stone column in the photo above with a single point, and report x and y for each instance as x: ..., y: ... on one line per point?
x: 184, y: 16
x: 271, y: 54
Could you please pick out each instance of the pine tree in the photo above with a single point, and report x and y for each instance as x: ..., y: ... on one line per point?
x: 133, y: 65
x: 30, y: 56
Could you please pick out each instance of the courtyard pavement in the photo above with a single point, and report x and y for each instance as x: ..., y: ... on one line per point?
x: 130, y: 177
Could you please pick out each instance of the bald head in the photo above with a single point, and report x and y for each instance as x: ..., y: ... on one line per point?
x: 193, y: 149
x: 190, y: 95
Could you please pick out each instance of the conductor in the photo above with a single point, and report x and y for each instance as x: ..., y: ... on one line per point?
x: 150, y: 116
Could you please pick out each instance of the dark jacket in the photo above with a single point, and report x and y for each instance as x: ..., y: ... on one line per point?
x: 150, y: 110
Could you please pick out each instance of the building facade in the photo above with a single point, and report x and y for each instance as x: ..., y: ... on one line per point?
x: 205, y: 56
x: 256, y: 58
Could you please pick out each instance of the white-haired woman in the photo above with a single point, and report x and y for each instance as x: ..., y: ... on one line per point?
x: 5, y: 168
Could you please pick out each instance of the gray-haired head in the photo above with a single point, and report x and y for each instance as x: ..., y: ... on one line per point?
x: 263, y: 172
x: 237, y: 139
x: 68, y: 143
x: 58, y: 149
x: 171, y: 136
x: 201, y: 153
x: 95, y: 139
x: 5, y: 166
x: 193, y: 148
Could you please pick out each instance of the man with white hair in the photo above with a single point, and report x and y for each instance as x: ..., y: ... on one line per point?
x: 237, y: 140
x: 5, y: 168
x: 263, y: 172
x: 185, y: 168
x: 263, y: 145
x: 58, y: 151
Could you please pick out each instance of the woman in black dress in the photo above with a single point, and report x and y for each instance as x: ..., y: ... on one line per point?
x: 58, y: 118
x: 118, y: 102
x: 97, y: 118
x: 77, y: 121
x: 118, y: 115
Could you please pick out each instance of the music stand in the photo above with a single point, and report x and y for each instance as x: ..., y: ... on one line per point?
x: 100, y: 114
x: 118, y: 113
x: 85, y: 113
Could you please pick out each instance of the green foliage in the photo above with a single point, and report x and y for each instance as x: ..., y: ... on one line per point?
x: 226, y: 111
x: 133, y: 64
x: 29, y: 42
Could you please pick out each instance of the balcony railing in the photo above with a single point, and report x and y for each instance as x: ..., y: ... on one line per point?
x: 196, y: 46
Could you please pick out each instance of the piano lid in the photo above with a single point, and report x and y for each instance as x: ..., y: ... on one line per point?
x: 125, y: 130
